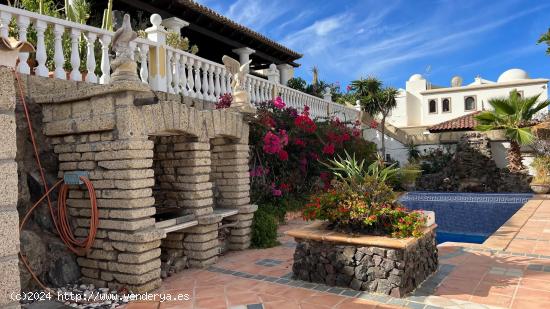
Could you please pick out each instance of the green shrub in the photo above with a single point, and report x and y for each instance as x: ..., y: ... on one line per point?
x: 264, y: 229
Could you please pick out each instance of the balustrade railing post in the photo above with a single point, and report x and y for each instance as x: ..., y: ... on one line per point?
x: 105, y: 78
x: 41, y: 56
x: 144, y: 69
x: 5, y: 19
x: 223, y: 82
x: 169, y: 71
x: 204, y: 81
x: 190, y: 78
x: 90, y: 58
x: 176, y: 61
x: 183, y: 75
x: 217, y: 85
x: 211, y: 86
x: 23, y: 24
x: 158, y: 65
x: 198, y: 85
x: 75, y: 56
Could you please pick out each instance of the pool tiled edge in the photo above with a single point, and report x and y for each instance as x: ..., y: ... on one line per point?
x: 500, y: 239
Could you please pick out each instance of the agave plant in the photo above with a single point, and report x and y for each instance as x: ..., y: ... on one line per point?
x: 352, y: 171
x: 513, y: 115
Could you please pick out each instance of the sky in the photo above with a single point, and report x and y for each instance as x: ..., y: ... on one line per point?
x: 392, y: 39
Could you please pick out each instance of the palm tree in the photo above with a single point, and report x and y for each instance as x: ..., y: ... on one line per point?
x: 513, y: 115
x: 376, y: 100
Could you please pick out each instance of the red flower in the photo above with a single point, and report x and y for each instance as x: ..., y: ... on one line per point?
x: 283, y: 155
x: 284, y: 187
x: 328, y: 149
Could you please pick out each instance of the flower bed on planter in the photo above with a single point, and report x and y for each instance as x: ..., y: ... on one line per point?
x: 368, y: 263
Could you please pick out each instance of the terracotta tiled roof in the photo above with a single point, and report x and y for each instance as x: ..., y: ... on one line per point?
x: 463, y: 123
x: 224, y: 20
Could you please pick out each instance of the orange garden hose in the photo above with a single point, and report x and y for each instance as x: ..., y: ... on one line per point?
x: 61, y: 221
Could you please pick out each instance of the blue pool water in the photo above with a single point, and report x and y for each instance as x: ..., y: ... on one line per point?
x: 466, y: 217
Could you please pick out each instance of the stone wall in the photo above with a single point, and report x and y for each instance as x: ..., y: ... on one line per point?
x: 472, y: 169
x: 133, y: 146
x: 394, y: 272
x: 9, y: 219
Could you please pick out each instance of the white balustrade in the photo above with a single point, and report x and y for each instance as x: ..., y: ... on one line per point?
x: 186, y: 74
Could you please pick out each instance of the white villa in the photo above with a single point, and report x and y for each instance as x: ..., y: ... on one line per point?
x: 422, y: 104
x: 429, y: 116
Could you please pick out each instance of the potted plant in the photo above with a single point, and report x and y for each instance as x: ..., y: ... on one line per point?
x: 362, y: 230
x: 541, y: 178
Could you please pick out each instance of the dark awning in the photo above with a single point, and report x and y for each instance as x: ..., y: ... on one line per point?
x: 215, y: 34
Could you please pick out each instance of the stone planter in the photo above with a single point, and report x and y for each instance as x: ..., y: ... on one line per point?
x: 540, y: 188
x: 368, y: 263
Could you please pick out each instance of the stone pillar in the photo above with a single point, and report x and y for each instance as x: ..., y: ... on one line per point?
x: 244, y: 54
x: 284, y: 70
x: 9, y: 218
x: 273, y: 74
x: 104, y: 136
x: 230, y: 172
x: 157, y: 55
x: 174, y: 24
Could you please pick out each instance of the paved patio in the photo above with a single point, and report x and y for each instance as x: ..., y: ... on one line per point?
x: 510, y: 270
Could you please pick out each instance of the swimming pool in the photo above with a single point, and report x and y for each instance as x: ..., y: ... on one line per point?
x: 466, y: 217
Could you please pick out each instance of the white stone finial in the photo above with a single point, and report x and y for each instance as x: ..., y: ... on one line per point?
x: 327, y: 95
x: 156, y: 20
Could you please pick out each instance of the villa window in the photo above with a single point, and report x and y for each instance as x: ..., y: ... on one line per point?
x: 470, y: 103
x: 520, y: 93
x: 432, y: 106
x: 446, y: 105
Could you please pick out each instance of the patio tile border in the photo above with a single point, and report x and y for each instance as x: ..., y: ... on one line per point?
x: 418, y: 300
x: 421, y: 298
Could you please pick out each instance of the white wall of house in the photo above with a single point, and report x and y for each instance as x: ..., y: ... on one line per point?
x: 413, y: 102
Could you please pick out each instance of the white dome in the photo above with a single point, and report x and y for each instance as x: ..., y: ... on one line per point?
x: 416, y: 77
x: 512, y: 74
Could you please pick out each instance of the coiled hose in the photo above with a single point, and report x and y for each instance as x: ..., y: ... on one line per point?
x: 61, y: 220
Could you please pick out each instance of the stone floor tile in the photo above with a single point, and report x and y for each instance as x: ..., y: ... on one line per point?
x: 324, y: 299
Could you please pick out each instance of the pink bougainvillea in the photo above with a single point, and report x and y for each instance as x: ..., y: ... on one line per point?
x: 272, y: 143
x: 292, y: 145
x: 279, y: 103
x: 224, y: 101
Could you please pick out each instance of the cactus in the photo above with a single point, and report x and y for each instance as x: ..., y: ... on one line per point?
x: 107, y: 22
